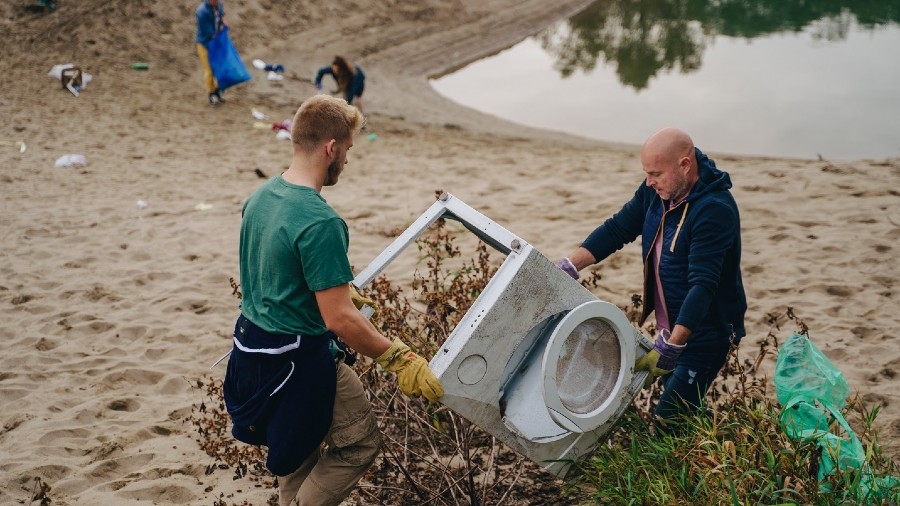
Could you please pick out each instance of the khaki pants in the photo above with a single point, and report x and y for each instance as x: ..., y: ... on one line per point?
x: 329, y: 475
x: 208, y: 78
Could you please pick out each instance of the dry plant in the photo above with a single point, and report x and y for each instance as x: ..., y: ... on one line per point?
x: 213, y: 433
x: 40, y: 492
x: 431, y: 455
x: 434, y: 456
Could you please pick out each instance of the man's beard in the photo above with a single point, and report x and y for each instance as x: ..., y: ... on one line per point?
x: 680, y: 190
x: 334, y: 169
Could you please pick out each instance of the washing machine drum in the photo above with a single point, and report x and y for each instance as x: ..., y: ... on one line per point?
x: 587, y: 362
x: 586, y: 365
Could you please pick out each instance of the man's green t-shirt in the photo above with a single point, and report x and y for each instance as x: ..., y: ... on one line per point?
x: 292, y: 244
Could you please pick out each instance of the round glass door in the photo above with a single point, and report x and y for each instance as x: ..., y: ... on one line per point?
x: 587, y: 365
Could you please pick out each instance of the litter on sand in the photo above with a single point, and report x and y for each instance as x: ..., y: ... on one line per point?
x: 261, y: 65
x: 282, y: 128
x: 70, y: 161
x: 21, y: 145
x: 71, y: 77
x: 282, y: 125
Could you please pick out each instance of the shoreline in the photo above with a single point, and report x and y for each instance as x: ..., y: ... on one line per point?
x: 116, y: 310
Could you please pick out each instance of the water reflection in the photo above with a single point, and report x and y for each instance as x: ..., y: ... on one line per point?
x: 642, y: 38
x: 779, y: 78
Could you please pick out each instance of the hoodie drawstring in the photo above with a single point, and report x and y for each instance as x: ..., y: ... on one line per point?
x: 678, y: 228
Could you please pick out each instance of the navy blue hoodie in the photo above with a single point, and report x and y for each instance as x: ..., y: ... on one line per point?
x: 701, y: 256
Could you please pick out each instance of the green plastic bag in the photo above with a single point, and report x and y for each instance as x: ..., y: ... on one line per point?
x: 812, y: 392
x: 803, y: 372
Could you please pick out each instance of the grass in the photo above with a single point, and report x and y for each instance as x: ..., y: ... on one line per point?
x: 738, y: 456
x: 735, y: 452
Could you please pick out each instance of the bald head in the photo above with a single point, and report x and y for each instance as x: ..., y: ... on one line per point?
x: 669, y: 144
x: 670, y: 163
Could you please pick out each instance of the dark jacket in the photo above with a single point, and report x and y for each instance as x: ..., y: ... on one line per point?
x: 701, y: 255
x: 263, y: 370
x: 355, y: 87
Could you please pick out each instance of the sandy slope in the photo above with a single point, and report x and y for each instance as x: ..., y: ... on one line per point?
x: 113, y: 311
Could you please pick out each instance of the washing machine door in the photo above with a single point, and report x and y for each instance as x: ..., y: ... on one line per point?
x: 586, y: 364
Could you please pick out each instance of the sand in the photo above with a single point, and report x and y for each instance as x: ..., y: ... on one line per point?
x: 112, y: 310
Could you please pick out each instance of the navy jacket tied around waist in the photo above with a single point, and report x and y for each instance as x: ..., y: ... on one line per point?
x: 279, y: 391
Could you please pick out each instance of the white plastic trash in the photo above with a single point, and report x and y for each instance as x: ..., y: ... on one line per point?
x: 70, y: 161
x: 56, y: 73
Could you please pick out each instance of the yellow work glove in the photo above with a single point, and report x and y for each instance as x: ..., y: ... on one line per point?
x: 649, y: 363
x: 359, y: 301
x: 413, y: 375
x: 661, y: 359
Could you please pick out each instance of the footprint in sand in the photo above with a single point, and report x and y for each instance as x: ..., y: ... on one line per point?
x: 128, y: 405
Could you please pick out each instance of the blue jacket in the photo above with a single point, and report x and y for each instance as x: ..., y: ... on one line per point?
x: 701, y: 256
x: 355, y: 87
x: 208, y: 23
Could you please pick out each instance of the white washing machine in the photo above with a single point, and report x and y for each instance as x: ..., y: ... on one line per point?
x: 537, y: 361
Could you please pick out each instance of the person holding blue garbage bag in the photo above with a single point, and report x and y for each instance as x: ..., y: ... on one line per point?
x: 210, y: 21
x: 691, y: 240
x: 351, y: 81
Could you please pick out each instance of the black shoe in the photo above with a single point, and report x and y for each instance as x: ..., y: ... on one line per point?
x: 214, y: 99
x: 219, y: 95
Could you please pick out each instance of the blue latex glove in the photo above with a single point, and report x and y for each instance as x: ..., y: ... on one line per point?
x: 661, y: 359
x: 566, y: 265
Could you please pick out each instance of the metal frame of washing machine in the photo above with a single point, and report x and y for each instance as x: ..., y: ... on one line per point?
x: 499, y: 366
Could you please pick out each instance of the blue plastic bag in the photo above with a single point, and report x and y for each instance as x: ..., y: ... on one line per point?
x: 225, y: 61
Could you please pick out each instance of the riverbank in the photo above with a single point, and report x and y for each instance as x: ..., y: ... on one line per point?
x: 115, y: 309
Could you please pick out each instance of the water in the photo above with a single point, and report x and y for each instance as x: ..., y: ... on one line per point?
x: 782, y: 79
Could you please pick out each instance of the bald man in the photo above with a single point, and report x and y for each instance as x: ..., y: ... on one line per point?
x: 690, y: 232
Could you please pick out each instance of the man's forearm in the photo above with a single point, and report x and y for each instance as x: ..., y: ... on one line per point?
x: 582, y: 258
x: 680, y: 335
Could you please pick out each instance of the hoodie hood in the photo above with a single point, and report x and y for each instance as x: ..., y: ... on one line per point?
x: 711, y: 178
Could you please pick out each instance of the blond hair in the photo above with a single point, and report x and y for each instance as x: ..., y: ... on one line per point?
x: 321, y: 118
